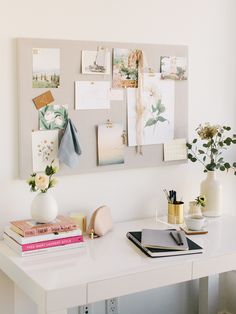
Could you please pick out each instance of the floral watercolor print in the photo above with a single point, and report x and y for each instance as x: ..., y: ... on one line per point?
x: 96, y: 62
x: 53, y: 117
x: 110, y: 144
x: 44, y: 149
x: 46, y: 67
x: 174, y: 68
x: 125, y: 68
x: 158, y: 99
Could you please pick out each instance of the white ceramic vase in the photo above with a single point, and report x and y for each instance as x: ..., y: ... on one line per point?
x: 44, y: 208
x: 212, y: 189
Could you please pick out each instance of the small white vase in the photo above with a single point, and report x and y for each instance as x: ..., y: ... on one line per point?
x: 44, y: 208
x: 212, y: 189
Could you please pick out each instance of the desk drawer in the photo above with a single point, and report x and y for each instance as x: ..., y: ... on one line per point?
x: 137, y: 282
x: 214, y: 265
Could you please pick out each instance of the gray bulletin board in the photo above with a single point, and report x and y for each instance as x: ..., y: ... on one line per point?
x: 86, y: 121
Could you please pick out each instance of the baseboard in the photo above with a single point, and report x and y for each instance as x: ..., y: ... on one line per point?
x: 224, y: 312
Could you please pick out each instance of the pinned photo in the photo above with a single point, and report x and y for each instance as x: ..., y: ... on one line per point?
x: 46, y: 68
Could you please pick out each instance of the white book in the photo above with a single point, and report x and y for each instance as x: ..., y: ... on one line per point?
x: 40, y: 238
x: 18, y: 249
x: 164, y: 239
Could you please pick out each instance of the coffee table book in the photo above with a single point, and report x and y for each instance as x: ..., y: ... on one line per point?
x: 44, y: 237
x: 44, y: 249
x: 29, y: 228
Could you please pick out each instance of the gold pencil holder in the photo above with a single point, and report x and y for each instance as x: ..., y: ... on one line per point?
x: 176, y: 213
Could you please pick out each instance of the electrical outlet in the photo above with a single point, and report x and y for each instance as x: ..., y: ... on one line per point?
x: 112, y: 306
x: 86, y: 309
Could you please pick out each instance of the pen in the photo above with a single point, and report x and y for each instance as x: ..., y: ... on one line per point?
x: 167, y: 196
x: 180, y: 238
x: 173, y: 237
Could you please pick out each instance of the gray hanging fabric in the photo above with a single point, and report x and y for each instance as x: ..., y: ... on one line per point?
x: 69, y: 149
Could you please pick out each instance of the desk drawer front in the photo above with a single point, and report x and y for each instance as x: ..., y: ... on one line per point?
x: 138, y: 282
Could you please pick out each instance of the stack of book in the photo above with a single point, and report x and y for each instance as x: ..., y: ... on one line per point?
x: 27, y: 237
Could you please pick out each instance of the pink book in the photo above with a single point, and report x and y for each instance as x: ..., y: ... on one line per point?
x: 29, y: 228
x: 51, y: 243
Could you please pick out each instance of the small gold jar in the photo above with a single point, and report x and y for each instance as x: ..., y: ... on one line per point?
x: 176, y: 213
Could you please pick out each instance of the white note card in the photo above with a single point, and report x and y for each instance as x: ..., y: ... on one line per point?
x: 92, y: 95
x: 116, y: 94
x: 175, y: 150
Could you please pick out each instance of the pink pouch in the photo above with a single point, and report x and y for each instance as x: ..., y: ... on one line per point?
x: 100, y: 222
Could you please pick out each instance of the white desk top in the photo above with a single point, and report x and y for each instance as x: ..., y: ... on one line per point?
x: 105, y: 263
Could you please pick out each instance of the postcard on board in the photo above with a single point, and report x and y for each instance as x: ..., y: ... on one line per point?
x: 92, y: 95
x: 125, y: 68
x: 110, y: 144
x: 44, y: 149
x: 43, y: 99
x: 96, y: 62
x: 174, y: 68
x: 53, y: 117
x: 46, y: 68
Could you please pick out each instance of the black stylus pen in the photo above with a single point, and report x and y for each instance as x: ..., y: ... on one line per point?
x: 180, y: 238
x: 173, y: 237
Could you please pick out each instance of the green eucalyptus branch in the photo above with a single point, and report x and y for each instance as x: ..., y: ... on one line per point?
x: 213, y: 141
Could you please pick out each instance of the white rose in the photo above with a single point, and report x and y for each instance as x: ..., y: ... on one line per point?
x: 49, y: 116
x: 59, y: 121
x: 41, y: 181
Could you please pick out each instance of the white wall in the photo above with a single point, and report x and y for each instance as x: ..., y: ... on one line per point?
x: 207, y: 27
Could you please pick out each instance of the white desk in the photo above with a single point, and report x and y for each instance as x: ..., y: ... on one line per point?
x: 112, y: 266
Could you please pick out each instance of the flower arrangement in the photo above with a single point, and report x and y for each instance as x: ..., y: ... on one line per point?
x: 208, y: 151
x: 200, y: 200
x: 43, y: 181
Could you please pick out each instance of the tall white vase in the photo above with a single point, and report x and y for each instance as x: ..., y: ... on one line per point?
x: 212, y: 189
x: 44, y: 208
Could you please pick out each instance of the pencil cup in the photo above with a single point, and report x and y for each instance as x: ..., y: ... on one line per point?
x: 176, y: 213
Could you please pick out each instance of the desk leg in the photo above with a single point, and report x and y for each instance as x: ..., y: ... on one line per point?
x: 209, y: 295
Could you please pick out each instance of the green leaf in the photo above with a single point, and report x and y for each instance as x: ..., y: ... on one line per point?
x: 234, y: 141
x: 154, y: 109
x: 234, y: 164
x: 190, y: 156
x: 219, y: 134
x: 227, y: 141
x: 160, y: 107
x: 222, y: 168
x: 161, y: 119
x: 193, y: 159
x: 189, y: 145
x: 227, y: 165
x: 201, y: 151
x: 49, y: 170
x: 204, y: 158
x: 151, y: 122
x: 221, y: 144
x: 210, y: 167
x: 227, y: 128
x: 214, y: 151
x: 195, y: 141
